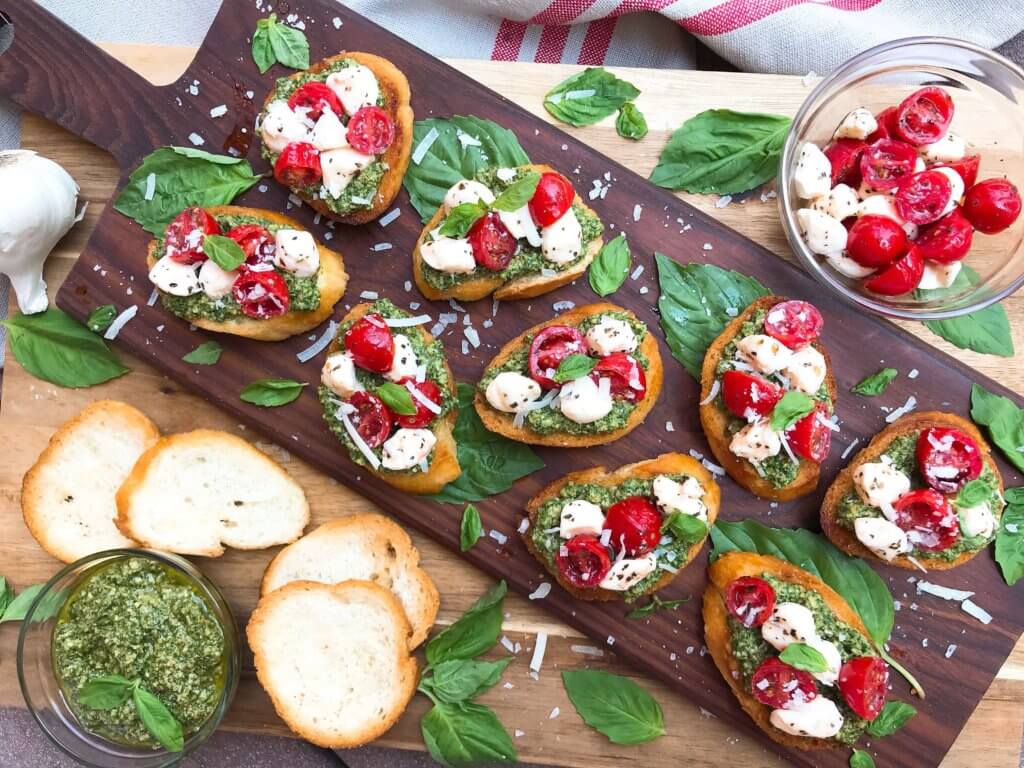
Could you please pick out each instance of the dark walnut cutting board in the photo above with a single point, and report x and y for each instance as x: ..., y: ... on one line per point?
x: 52, y: 71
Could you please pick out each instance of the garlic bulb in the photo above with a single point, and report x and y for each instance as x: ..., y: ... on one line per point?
x: 38, y: 199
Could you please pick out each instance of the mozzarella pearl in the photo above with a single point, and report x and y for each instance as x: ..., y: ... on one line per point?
x: 686, y: 497
x: 763, y: 353
x: 407, y: 448
x: 756, y: 442
x: 806, y: 370
x: 611, y: 335
x: 404, y: 364
x: 562, y: 241
x: 339, y: 375
x: 214, y: 281
x: 859, y: 124
x: 467, y: 191
x: 822, y: 233
x: 584, y: 402
x: 885, y: 539
x: 818, y: 718
x: 296, y: 251
x: 356, y: 87
x: 580, y: 517
x: 329, y: 133
x: 174, y: 277
x: 627, y: 572
x: 510, y: 391
x: 449, y: 254
x: 813, y: 175
x: 789, y: 623
x: 281, y: 126
x: 879, y: 484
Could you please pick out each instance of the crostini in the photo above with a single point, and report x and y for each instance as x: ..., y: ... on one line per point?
x: 546, y: 241
x: 924, y: 493
x: 758, y: 608
x: 767, y: 398
x: 623, y: 534
x: 587, y: 377
x: 389, y: 396
x: 339, y: 135
x: 282, y: 281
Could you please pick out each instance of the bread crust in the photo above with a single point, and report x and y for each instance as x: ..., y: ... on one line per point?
x: 665, y: 464
x: 331, y: 281
x: 445, y: 466
x: 526, y: 287
x: 497, y: 421
x: 715, y: 422
x: 718, y: 639
x: 846, y: 539
x: 398, y: 97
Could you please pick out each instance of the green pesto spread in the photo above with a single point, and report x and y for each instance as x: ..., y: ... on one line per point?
x: 143, y: 620
x: 750, y: 649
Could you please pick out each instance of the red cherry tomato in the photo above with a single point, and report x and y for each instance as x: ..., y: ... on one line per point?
x: 553, y: 197
x: 261, y: 295
x: 371, y: 344
x: 844, y: 155
x: 947, y: 458
x: 864, y: 683
x: 809, y: 438
x: 583, y: 561
x: 922, y: 197
x: 924, y: 116
x: 371, y: 131
x: 743, y: 393
x: 372, y: 419
x: 184, y: 236
x: 423, y: 415
x: 794, y: 323
x: 750, y: 600
x: 256, y: 242
x: 929, y: 520
x: 776, y: 684
x: 967, y: 168
x: 886, y: 129
x: 947, y: 240
x: 549, y: 348
x: 992, y: 205
x: 875, y: 241
x: 314, y: 96
x: 298, y: 166
x: 900, y: 277
x: 884, y: 163
x: 625, y: 374
x: 493, y: 245
x: 635, y: 524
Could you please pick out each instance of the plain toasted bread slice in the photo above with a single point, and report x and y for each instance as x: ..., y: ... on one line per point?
x: 364, y: 547
x: 718, y: 638
x: 334, y: 659
x: 195, y: 492
x: 845, y: 538
x: 502, y: 423
x: 715, y: 421
x: 525, y: 287
x: 666, y: 464
x: 68, y: 496
x: 397, y: 97
x: 331, y: 281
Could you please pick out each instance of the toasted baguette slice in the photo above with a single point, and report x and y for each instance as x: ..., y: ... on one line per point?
x: 525, y: 287
x: 502, y: 423
x: 67, y: 498
x: 846, y: 539
x: 334, y: 659
x: 395, y: 88
x: 331, y: 281
x: 365, y: 547
x: 718, y: 638
x: 715, y: 422
x: 445, y: 466
x: 666, y: 464
x: 195, y: 492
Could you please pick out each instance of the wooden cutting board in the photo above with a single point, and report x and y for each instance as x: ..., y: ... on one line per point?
x: 652, y: 644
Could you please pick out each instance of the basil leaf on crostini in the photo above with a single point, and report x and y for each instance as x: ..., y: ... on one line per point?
x: 614, y: 706
x: 589, y: 96
x: 1004, y: 420
x: 277, y: 43
x: 894, y: 715
x: 656, y: 604
x: 466, y: 733
x: 573, y: 367
x: 272, y: 393
x: 803, y: 656
x: 161, y: 724
x: 861, y: 759
x: 397, y: 398
x: 876, y: 383
x: 790, y: 409
x: 631, y: 123
x: 461, y: 219
x: 471, y: 528
x: 697, y: 301
x: 973, y: 493
x: 474, y: 633
x: 101, y: 318
x: 518, y: 193
x: 986, y: 331
x: 686, y: 529
x: 224, y: 252
x: 207, y: 353
x: 610, y: 267
x: 1010, y: 537
x: 453, y: 682
x: 722, y: 151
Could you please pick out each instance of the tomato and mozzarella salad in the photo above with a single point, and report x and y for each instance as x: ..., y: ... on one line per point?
x: 894, y: 199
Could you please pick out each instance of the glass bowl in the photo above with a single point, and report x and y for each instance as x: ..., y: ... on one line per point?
x: 988, y: 95
x: 43, y: 694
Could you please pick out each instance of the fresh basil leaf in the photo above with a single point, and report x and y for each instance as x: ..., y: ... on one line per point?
x: 790, y: 409
x: 697, y: 301
x: 107, y: 692
x: 803, y: 656
x: 973, y: 493
x: 474, y: 633
x: 262, y: 50
x: 686, y: 529
x: 1010, y: 537
x: 876, y: 383
x: 490, y: 463
x: 573, y: 367
x: 861, y: 759
x: 471, y: 529
x: 1005, y: 422
x: 18, y: 607
x: 656, y: 604
x: 461, y: 219
x: 101, y: 318
x: 589, y: 96
x: 54, y: 347
x: 610, y: 267
x: 518, y: 193
x: 722, y: 151
x: 6, y: 595
x: 614, y: 706
x: 184, y: 177
x: 986, y: 331
x: 459, y: 680
x: 397, y: 398
x: 224, y: 252
x: 272, y: 393
x: 448, y: 159
x: 466, y: 733
x: 631, y: 123
x: 159, y: 721
x: 893, y: 716
x: 207, y: 353
x: 274, y: 42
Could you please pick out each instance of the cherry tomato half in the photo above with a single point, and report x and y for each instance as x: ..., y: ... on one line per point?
x: 750, y: 600
x: 886, y: 129
x: 371, y: 344
x: 261, y: 295
x: 184, y: 236
x: 864, y: 682
x: 635, y: 524
x: 583, y: 561
x: 844, y: 156
x: 924, y: 116
x: 553, y: 197
x: 947, y: 240
x: 922, y: 197
x: 493, y: 245
x: 794, y: 323
x: 876, y: 241
x: 625, y: 374
x: 884, y: 163
x: 256, y: 242
x: 967, y: 168
x: 371, y: 131
x: 372, y: 418
x: 745, y: 393
x: 947, y: 458
x: 900, y: 277
x: 929, y: 520
x: 314, y: 96
x: 810, y: 438
x: 776, y: 684
x: 423, y: 415
x: 298, y: 166
x: 549, y: 348
x: 992, y: 205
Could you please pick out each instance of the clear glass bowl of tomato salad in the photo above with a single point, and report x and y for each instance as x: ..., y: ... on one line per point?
x: 128, y: 658
x: 899, y: 183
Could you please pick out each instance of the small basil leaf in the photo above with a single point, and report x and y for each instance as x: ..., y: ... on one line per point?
x: 289, y: 45
x: 614, y: 706
x: 686, y: 529
x: 262, y: 50
x: 471, y: 529
x: 6, y: 595
x: 397, y: 398
x: 518, y: 193
x: 791, y: 408
x: 1005, y: 422
x: 589, y: 96
x: 474, y: 633
x: 272, y: 393
x: 893, y: 716
x: 159, y: 721
x: 803, y: 656
x: 207, y: 353
x: 101, y: 318
x: 974, y: 493
x: 17, y: 609
x: 610, y: 267
x: 573, y: 367
x: 631, y: 123
x: 107, y: 692
x: 224, y: 252
x: 656, y: 604
x: 986, y: 331
x: 461, y: 219
x: 861, y: 759
x: 876, y: 383
x: 459, y: 680
x: 466, y: 733
x: 1010, y: 537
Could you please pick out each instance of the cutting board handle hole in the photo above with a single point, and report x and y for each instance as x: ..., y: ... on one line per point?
x: 6, y: 32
